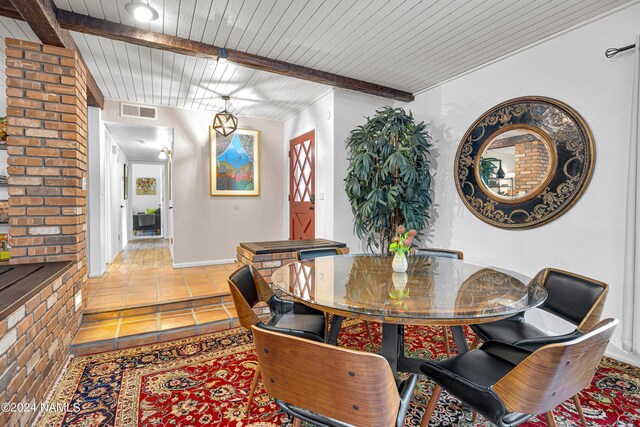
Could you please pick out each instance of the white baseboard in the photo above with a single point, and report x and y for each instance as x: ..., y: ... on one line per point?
x: 100, y: 274
x: 203, y: 263
x: 617, y: 353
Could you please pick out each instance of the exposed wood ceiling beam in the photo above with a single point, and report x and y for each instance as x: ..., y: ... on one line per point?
x: 41, y: 17
x: 125, y: 33
x: 7, y: 9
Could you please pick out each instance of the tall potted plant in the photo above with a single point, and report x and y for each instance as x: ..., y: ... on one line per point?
x: 388, y: 179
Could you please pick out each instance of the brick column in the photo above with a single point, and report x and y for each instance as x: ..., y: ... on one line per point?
x: 47, y: 148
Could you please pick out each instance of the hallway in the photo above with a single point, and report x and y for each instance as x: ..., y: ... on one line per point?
x: 145, y: 254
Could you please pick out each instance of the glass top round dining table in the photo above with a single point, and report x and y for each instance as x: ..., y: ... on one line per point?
x: 433, y: 291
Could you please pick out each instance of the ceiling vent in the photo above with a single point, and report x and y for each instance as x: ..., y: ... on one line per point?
x: 131, y: 110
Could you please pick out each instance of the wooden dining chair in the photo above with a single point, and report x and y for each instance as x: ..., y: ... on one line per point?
x: 509, y: 385
x: 308, y: 254
x: 248, y: 288
x: 441, y: 253
x: 330, y: 386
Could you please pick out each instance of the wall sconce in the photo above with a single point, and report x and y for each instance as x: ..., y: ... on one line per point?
x: 165, y: 153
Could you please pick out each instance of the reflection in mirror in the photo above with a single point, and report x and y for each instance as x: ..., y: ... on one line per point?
x: 515, y: 163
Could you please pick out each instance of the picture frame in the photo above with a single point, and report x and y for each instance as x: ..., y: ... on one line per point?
x: 234, y: 163
x: 125, y: 181
x: 146, y: 186
x: 4, y: 211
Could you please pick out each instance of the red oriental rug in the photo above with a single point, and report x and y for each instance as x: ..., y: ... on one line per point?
x: 204, y: 381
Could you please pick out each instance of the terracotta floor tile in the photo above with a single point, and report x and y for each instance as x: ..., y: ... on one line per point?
x: 136, y: 328
x: 133, y: 300
x: 95, y: 334
x: 139, y: 318
x: 209, y: 316
x: 232, y: 310
x: 181, y: 321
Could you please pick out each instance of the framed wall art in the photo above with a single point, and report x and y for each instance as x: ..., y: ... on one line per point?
x: 234, y: 163
x: 145, y: 186
x: 125, y: 181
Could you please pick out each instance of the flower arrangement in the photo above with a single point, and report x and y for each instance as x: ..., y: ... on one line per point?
x: 402, y: 241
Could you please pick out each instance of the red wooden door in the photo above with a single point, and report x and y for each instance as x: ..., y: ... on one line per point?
x: 302, y: 194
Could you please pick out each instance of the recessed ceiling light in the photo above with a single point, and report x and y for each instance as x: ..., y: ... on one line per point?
x: 141, y: 11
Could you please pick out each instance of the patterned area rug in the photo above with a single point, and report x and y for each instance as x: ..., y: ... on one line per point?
x: 205, y: 380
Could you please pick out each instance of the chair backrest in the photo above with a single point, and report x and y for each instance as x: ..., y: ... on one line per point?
x: 307, y: 254
x: 555, y: 372
x: 574, y: 298
x: 248, y: 288
x: 440, y: 253
x: 354, y: 387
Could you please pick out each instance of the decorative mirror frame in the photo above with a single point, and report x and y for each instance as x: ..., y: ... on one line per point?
x: 572, y: 153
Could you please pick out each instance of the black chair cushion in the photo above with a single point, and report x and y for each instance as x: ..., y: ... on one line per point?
x: 437, y: 253
x: 308, y: 254
x: 570, y: 297
x: 278, y: 305
x: 509, y: 330
x: 405, y: 389
x: 470, y: 375
x: 308, y: 326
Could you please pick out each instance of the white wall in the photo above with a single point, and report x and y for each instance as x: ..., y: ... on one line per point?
x: 140, y: 203
x: 332, y: 116
x: 589, y: 238
x: 351, y: 110
x: 207, y: 229
x: 116, y: 207
x: 319, y: 117
x: 96, y: 212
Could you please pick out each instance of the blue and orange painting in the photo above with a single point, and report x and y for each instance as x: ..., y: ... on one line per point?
x: 235, y: 162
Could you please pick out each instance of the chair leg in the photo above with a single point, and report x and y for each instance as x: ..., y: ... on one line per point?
x: 254, y: 383
x: 475, y: 343
x: 431, y: 406
x: 297, y: 422
x: 327, y: 324
x: 576, y: 402
x: 551, y: 421
x: 366, y: 325
x: 445, y: 332
x: 474, y: 416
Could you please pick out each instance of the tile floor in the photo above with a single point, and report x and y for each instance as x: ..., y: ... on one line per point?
x: 142, y: 299
x: 139, y: 284
x: 156, y: 323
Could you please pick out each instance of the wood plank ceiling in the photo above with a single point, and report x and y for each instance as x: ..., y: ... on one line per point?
x: 406, y: 44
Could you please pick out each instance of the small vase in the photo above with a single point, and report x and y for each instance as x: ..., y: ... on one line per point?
x: 399, y: 281
x: 399, y: 263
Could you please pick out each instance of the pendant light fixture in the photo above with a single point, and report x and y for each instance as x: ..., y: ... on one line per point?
x: 224, y: 122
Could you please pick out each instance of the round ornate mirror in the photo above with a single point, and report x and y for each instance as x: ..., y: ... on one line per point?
x: 524, y: 162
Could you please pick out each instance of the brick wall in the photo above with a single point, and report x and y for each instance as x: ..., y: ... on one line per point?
x: 47, y: 148
x: 34, y: 344
x: 531, y: 165
x: 266, y: 264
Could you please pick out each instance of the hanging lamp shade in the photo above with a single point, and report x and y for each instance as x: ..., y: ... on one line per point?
x: 224, y: 122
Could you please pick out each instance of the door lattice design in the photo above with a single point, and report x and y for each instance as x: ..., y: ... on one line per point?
x: 302, y: 172
x: 302, y: 187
